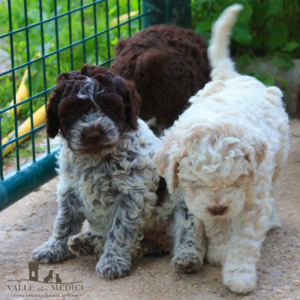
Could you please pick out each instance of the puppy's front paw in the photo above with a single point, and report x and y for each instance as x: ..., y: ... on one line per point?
x: 109, y: 268
x: 51, y: 252
x: 79, y: 246
x: 187, y: 262
x: 216, y: 255
x: 87, y: 243
x: 240, y: 281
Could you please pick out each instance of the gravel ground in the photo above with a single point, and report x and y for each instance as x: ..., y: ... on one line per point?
x: 28, y: 223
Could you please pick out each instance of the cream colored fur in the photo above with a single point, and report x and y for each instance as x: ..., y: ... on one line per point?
x: 226, y: 151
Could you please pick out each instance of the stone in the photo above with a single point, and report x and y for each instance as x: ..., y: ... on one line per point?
x: 296, y: 134
x: 8, y: 229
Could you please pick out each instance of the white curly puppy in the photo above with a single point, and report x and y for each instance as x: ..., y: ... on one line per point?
x: 226, y: 152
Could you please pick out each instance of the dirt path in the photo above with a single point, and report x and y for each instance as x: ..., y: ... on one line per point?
x: 28, y: 223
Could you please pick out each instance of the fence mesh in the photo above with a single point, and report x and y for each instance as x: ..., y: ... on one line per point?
x: 38, y: 40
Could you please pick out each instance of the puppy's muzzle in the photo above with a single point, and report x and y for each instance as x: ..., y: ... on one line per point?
x: 217, y: 211
x: 93, y: 136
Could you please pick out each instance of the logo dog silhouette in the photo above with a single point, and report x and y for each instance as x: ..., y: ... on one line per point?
x: 58, y: 280
x: 49, y: 277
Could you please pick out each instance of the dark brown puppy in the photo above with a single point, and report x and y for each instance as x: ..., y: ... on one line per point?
x: 168, y: 64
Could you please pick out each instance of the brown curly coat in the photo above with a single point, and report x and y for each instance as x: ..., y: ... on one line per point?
x: 168, y: 64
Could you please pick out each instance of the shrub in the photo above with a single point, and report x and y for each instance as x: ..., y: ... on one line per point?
x: 264, y: 29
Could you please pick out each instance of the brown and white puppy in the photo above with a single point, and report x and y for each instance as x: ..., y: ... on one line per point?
x: 92, y: 108
x: 107, y: 173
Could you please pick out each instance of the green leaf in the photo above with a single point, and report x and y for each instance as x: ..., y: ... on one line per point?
x: 201, y: 2
x: 36, y: 75
x: 90, y: 57
x: 290, y: 46
x: 246, y: 13
x: 203, y: 26
x: 283, y: 60
x: 206, y: 35
x: 257, y: 41
x: 241, y: 33
x: 61, y: 24
x: 265, y: 80
x: 243, y: 60
x: 258, y: 17
x: 112, y: 10
x: 274, y: 8
x: 278, y: 35
x: 114, y: 40
x: 48, y: 45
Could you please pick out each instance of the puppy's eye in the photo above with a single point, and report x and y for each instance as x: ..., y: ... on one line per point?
x: 74, y: 113
x: 108, y: 110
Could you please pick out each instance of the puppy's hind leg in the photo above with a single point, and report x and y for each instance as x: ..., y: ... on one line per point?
x: 189, y: 240
x: 274, y: 219
x: 274, y: 222
x: 68, y: 222
x: 87, y: 243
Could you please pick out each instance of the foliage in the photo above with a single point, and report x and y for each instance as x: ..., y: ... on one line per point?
x: 96, y: 50
x: 264, y: 29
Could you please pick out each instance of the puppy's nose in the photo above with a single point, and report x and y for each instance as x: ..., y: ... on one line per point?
x: 217, y: 211
x: 92, y: 136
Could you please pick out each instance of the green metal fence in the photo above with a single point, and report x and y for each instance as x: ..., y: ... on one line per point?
x: 39, y: 40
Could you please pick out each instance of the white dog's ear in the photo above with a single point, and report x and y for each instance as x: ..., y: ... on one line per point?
x: 167, y: 161
x: 255, y: 150
x: 260, y: 146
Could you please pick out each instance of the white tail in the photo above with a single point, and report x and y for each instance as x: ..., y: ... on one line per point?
x: 218, y: 50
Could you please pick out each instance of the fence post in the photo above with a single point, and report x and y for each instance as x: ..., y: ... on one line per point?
x: 32, y: 175
x: 168, y: 12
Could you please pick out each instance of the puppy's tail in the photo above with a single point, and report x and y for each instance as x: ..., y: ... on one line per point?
x: 218, y: 50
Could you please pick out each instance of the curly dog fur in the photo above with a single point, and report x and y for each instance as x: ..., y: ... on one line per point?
x: 107, y: 172
x: 226, y: 152
x: 168, y: 65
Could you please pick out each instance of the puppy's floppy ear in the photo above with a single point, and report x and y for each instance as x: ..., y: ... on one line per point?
x: 167, y: 160
x: 255, y: 150
x: 52, y: 119
x: 132, y: 101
